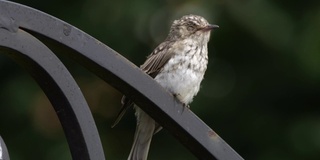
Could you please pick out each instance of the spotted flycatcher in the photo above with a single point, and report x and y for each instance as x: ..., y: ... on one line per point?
x: 178, y: 64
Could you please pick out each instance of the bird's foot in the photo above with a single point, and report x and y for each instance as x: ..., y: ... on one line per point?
x: 186, y: 105
x: 183, y: 104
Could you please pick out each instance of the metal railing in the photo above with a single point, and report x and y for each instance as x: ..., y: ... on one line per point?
x: 31, y: 37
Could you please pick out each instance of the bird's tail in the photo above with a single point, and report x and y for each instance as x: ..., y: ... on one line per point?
x: 143, y: 135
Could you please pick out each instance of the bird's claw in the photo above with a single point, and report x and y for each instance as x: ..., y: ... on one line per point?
x: 186, y: 105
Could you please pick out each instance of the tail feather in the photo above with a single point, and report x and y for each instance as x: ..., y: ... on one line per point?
x: 143, y: 135
x: 126, y: 104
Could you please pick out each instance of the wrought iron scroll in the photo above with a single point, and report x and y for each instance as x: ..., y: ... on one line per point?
x: 4, y: 155
x: 31, y: 38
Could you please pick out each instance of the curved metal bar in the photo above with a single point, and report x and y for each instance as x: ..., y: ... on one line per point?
x: 61, y: 89
x: 124, y: 76
x: 4, y: 154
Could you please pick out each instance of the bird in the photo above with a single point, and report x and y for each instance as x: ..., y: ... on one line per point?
x: 178, y: 64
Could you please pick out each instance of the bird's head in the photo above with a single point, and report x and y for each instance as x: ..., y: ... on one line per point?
x: 191, y: 26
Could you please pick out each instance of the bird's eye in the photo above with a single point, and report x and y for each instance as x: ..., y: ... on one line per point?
x: 190, y: 28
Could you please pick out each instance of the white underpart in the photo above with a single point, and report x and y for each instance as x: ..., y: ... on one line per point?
x: 181, y: 80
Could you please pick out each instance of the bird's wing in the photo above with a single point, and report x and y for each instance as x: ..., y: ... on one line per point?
x: 157, y: 59
x: 153, y: 65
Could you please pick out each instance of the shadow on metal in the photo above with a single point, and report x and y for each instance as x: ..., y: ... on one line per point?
x: 27, y: 34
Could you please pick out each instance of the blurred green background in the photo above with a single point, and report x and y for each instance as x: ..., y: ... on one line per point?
x: 261, y: 92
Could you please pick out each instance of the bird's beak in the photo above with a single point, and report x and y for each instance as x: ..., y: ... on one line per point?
x: 210, y: 27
